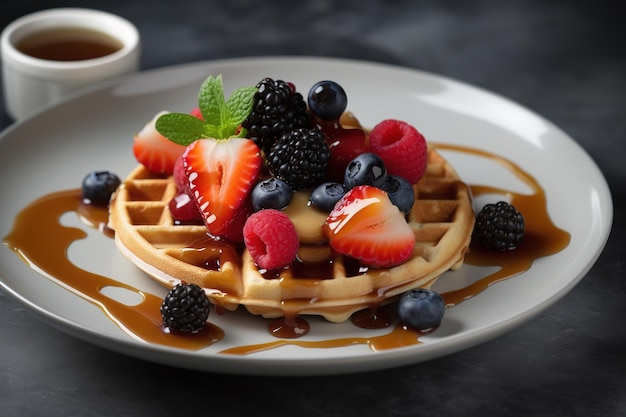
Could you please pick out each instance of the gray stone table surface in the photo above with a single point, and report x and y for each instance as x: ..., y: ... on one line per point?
x: 565, y: 60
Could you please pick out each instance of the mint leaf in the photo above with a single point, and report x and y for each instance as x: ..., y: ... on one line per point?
x: 211, y: 101
x: 180, y: 128
x: 222, y: 118
x: 212, y: 131
x: 239, y: 106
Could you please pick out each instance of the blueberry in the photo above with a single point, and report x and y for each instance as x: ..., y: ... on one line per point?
x: 365, y: 169
x: 271, y: 193
x: 421, y: 309
x: 400, y: 192
x: 327, y: 100
x: 98, y: 186
x: 326, y: 195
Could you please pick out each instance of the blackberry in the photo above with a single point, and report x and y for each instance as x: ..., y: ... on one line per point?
x: 499, y: 226
x: 185, y: 308
x: 277, y: 108
x: 300, y: 158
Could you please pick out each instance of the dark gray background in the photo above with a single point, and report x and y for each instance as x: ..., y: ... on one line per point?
x: 565, y: 60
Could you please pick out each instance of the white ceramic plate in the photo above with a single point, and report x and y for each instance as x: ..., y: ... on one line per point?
x: 54, y: 149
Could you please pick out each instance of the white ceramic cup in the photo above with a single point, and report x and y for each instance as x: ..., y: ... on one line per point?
x: 32, y: 83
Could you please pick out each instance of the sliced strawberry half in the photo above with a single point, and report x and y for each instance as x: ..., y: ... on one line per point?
x: 155, y: 151
x: 366, y: 225
x: 221, y: 174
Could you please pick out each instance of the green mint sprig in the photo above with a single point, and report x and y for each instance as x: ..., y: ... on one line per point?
x: 222, y: 118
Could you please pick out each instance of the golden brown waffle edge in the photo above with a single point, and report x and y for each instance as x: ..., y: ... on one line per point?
x: 442, y: 219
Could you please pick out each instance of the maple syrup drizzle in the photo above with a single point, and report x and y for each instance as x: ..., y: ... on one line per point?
x: 541, y: 236
x: 398, y: 337
x: 42, y: 242
x: 289, y: 327
x: 48, y: 253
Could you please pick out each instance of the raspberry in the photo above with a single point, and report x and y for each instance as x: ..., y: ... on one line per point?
x: 499, y: 226
x: 271, y: 239
x: 401, y: 147
x: 185, y: 308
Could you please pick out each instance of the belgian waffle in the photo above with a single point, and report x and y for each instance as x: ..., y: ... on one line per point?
x: 323, y: 284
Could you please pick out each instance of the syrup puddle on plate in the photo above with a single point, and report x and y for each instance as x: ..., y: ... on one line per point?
x: 141, y: 318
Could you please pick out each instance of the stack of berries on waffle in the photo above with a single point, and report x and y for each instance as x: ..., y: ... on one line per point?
x: 287, y: 206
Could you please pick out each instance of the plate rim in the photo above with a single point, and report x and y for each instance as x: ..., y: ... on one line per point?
x: 265, y: 366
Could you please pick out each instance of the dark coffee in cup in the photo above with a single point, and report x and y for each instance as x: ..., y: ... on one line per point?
x: 68, y: 44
